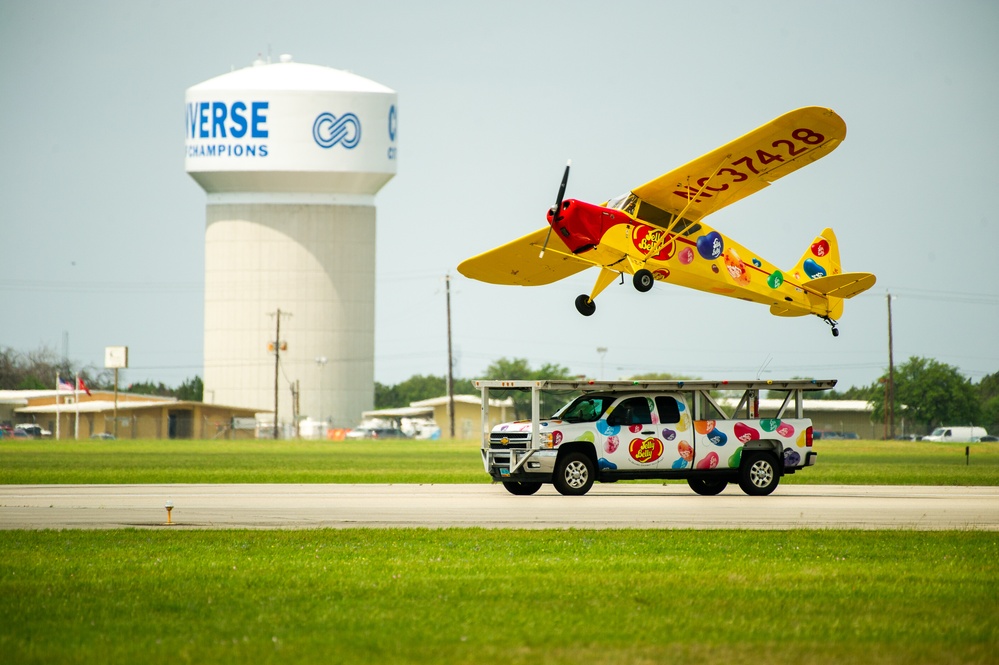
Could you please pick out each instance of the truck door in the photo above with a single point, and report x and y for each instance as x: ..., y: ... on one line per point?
x: 639, y: 436
x: 674, y: 425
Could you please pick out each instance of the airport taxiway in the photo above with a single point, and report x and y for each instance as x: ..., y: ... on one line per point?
x: 618, y: 505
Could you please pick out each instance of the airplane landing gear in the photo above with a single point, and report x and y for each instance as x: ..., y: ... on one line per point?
x: 643, y: 280
x: 835, y: 330
x: 585, y: 306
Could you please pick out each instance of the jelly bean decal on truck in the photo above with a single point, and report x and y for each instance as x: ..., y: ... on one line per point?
x: 710, y: 433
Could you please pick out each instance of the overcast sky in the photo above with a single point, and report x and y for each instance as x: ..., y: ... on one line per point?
x: 103, y: 232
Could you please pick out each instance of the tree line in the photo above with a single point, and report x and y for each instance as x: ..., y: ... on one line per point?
x: 37, y: 370
x: 927, y: 393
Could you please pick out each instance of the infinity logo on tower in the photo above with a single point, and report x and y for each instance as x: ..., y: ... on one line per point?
x: 328, y: 130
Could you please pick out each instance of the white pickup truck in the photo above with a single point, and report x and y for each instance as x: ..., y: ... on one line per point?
x: 628, y: 430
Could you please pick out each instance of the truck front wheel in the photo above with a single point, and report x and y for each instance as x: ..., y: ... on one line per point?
x: 521, y: 489
x: 759, y: 475
x: 574, y: 474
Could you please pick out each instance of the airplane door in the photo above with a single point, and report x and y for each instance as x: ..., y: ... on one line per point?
x: 639, y: 435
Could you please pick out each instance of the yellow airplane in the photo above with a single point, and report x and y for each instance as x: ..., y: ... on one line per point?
x: 656, y: 231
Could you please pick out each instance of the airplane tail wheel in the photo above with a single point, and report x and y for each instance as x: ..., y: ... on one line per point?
x: 832, y: 324
x: 644, y: 280
x: 585, y: 306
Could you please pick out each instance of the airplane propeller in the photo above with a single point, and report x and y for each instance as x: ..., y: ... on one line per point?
x: 557, y: 207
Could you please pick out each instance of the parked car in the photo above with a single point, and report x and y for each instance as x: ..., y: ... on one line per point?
x: 32, y: 431
x: 376, y: 433
x: 989, y: 437
x: 957, y: 434
x: 108, y: 436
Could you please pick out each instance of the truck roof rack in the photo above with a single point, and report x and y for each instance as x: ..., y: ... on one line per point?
x: 679, y: 386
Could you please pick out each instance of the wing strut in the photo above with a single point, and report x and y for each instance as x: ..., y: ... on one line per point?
x: 584, y: 303
x: 668, y: 236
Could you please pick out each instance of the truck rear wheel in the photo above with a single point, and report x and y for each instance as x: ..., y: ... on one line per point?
x: 759, y: 474
x: 574, y: 474
x: 521, y: 489
x: 706, y: 487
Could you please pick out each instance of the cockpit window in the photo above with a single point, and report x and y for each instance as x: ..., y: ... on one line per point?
x: 653, y: 215
x: 625, y: 203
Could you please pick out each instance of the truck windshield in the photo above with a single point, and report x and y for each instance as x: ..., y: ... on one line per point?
x: 584, y: 409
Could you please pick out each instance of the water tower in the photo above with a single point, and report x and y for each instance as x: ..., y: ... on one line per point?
x: 291, y: 156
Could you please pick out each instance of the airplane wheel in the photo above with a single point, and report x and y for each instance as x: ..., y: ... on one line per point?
x: 644, y: 280
x: 835, y: 332
x: 585, y: 306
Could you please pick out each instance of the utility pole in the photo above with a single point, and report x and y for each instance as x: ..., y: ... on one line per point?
x: 450, y: 358
x: 321, y: 362
x: 277, y: 347
x: 295, y: 391
x: 890, y: 392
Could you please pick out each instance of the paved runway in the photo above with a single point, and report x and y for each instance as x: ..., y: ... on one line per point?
x: 619, y: 505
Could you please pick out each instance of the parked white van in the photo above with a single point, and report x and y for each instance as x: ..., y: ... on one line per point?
x: 957, y: 434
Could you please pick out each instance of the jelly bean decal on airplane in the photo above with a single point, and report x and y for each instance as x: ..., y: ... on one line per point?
x: 656, y: 232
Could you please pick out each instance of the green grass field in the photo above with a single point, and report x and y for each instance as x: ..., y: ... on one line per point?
x: 103, y: 462
x: 494, y: 596
x: 480, y: 596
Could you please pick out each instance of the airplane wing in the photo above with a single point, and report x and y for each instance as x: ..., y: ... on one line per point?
x: 517, y: 262
x: 747, y: 164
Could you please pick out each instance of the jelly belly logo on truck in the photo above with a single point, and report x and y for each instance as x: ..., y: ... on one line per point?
x: 228, y: 129
x: 645, y: 451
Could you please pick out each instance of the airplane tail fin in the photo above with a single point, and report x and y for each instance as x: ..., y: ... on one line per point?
x: 820, y: 269
x: 821, y: 259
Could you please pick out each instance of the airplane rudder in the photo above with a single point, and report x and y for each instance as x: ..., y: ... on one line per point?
x: 821, y: 259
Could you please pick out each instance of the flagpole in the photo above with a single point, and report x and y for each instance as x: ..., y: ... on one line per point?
x: 58, y: 416
x: 76, y: 394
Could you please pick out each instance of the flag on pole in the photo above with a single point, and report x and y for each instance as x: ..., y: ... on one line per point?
x: 60, y: 386
x: 80, y: 385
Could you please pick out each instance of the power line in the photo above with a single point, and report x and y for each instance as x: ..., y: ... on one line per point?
x: 92, y: 286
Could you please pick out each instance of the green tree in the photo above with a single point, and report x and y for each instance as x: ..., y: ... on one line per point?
x: 662, y: 376
x: 35, y: 370
x: 150, y: 388
x: 519, y: 369
x: 988, y: 394
x: 385, y: 396
x: 417, y: 388
x: 931, y: 393
x: 192, y: 390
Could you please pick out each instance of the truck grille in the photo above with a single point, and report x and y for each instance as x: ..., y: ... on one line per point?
x: 509, y: 439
